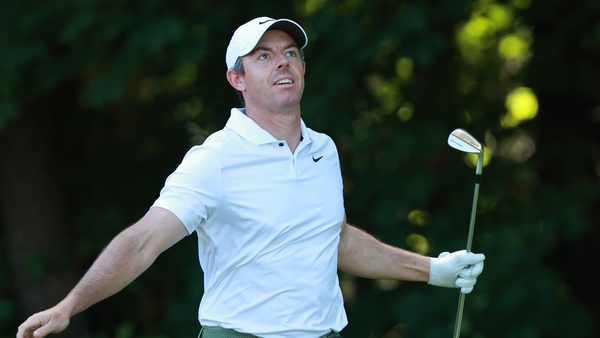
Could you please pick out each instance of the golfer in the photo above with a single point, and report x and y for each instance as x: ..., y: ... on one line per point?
x: 264, y: 196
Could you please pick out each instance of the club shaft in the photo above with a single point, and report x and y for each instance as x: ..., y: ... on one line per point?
x: 461, y: 299
x: 459, y: 312
x: 473, y: 214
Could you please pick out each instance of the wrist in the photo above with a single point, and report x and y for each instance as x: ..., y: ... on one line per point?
x: 433, y: 271
x: 69, y: 306
x: 437, y: 274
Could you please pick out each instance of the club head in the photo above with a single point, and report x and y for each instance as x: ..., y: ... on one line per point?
x: 461, y: 140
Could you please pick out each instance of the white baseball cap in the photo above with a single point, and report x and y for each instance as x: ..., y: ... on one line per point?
x: 246, y: 37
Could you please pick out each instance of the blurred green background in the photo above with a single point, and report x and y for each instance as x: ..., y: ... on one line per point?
x: 100, y: 100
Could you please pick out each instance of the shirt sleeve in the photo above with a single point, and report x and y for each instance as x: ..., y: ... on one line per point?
x: 192, y: 192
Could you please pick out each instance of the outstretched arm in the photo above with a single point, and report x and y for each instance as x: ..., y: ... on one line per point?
x: 362, y: 255
x: 128, y: 255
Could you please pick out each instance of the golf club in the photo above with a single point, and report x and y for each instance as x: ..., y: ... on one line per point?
x: 465, y: 142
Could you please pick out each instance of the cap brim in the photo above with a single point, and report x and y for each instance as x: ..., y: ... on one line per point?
x: 292, y: 28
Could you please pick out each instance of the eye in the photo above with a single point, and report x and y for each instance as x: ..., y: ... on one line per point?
x: 263, y: 56
x: 291, y: 53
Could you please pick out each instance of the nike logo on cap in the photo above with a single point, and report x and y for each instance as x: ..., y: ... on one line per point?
x: 317, y: 159
x: 260, y: 23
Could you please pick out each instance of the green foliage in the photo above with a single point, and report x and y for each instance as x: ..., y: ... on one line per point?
x: 388, y: 80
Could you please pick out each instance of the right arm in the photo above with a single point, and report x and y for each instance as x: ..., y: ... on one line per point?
x: 128, y: 255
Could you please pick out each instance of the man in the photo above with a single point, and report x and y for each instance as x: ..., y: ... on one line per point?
x: 264, y: 196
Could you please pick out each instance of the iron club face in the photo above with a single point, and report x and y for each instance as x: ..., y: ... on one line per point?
x: 461, y: 140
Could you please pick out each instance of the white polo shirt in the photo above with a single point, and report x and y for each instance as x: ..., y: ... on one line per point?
x: 268, y: 224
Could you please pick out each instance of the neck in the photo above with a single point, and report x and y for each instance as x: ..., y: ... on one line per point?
x: 283, y: 126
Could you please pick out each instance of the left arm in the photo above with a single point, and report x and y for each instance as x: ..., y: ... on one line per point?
x: 362, y: 255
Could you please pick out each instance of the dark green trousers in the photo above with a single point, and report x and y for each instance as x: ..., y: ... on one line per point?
x: 219, y: 332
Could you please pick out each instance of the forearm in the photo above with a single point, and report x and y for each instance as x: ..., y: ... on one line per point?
x: 123, y: 260
x: 362, y: 255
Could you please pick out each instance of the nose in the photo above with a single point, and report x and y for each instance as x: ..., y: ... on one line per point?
x: 282, y: 62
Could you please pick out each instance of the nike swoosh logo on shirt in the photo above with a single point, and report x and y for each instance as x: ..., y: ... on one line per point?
x: 317, y: 159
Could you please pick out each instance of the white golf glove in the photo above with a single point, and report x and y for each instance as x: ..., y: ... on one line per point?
x: 459, y: 269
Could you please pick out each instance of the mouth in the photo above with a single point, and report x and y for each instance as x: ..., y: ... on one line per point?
x: 284, y: 82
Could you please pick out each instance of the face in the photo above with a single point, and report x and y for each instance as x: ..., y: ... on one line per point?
x: 273, y: 73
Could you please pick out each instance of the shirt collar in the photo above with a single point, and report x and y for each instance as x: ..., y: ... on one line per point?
x: 240, y: 123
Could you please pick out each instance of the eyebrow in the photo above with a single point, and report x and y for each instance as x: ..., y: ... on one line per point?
x: 267, y: 49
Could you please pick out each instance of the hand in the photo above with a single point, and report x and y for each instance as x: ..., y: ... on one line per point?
x: 43, y: 323
x: 458, y: 269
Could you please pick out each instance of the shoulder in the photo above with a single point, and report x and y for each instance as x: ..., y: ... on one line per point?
x: 322, y: 141
x: 319, y: 137
x: 220, y: 147
x: 207, y: 153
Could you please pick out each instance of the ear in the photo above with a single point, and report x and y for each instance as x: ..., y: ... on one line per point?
x: 235, y: 80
